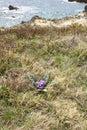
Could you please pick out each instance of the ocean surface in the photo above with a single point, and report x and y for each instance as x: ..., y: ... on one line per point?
x: 29, y: 8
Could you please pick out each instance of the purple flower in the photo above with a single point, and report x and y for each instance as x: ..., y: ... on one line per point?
x: 40, y: 84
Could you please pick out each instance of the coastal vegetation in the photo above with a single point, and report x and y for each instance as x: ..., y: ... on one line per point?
x: 38, y: 50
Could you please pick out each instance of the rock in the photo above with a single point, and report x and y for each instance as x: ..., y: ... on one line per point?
x: 85, y: 1
x: 85, y: 9
x: 13, y: 16
x: 71, y: 0
x: 12, y: 7
x: 35, y: 17
x: 22, y: 22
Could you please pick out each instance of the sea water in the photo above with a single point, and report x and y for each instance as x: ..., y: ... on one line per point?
x: 29, y: 8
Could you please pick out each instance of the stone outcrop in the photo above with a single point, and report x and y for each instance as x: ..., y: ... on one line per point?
x: 12, y: 7
x: 85, y: 1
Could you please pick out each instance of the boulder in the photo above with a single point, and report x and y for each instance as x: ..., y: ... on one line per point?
x: 13, y: 16
x: 85, y: 9
x: 22, y: 22
x: 12, y: 7
x: 35, y: 17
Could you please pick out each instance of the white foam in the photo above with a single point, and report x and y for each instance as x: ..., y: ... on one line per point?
x: 18, y: 14
x: 14, y: 17
x: 21, y: 10
x: 65, y: 0
x: 24, y: 9
x: 78, y: 10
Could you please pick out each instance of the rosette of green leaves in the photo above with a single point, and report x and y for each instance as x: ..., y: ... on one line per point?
x: 33, y: 80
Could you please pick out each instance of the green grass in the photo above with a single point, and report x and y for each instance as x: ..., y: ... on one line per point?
x: 62, y: 52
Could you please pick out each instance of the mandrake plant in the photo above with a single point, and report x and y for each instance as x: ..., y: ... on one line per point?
x: 39, y: 84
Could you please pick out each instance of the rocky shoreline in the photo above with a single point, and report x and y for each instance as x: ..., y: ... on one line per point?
x: 80, y: 18
x: 39, y: 22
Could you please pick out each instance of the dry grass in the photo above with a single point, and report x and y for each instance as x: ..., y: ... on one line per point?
x: 62, y: 52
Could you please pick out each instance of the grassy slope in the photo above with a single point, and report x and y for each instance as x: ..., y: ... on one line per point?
x: 62, y: 52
